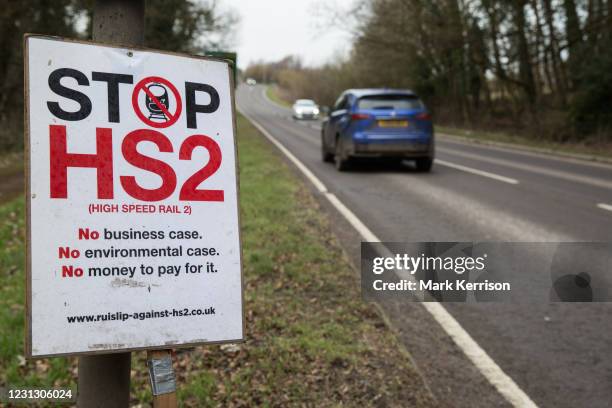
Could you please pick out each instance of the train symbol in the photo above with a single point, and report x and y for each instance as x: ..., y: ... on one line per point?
x: 161, y: 94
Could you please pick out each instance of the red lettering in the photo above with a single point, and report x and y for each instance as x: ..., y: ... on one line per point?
x: 71, y: 271
x: 86, y: 234
x: 190, y: 191
x: 141, y: 161
x: 60, y: 159
x: 66, y: 252
x: 102, y: 161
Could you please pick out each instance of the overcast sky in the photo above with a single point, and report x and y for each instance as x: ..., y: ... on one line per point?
x: 272, y: 29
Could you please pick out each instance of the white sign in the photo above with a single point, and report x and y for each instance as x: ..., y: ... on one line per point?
x: 133, y: 203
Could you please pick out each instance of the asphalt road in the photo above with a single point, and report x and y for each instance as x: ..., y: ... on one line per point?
x: 559, y: 354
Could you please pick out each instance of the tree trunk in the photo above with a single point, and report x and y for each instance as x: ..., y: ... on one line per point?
x: 524, y: 60
x: 573, y: 37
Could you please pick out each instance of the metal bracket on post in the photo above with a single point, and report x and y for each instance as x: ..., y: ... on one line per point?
x: 161, y: 374
x: 163, y: 380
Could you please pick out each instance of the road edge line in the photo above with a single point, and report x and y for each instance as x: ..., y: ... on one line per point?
x: 503, y: 383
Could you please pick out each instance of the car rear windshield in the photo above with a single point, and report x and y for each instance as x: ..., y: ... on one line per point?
x: 391, y: 102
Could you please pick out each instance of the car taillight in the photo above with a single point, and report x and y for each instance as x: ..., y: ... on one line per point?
x: 423, y: 116
x: 360, y: 116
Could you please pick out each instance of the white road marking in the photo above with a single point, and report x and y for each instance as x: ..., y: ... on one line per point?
x: 605, y: 206
x: 535, y: 169
x: 478, y: 172
x: 483, y: 362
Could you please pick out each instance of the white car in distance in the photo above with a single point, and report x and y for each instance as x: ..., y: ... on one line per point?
x: 305, y: 109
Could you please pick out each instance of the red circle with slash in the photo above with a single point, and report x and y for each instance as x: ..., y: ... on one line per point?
x: 142, y: 86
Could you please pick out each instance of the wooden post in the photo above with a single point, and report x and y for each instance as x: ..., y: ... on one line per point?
x: 104, y: 380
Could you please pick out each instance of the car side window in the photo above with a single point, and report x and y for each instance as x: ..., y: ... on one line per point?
x: 341, y: 103
x: 338, y: 103
x: 345, y: 102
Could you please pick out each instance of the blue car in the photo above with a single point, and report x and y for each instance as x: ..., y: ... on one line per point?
x: 378, y: 123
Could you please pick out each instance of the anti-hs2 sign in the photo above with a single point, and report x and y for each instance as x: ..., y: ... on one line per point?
x: 133, y: 234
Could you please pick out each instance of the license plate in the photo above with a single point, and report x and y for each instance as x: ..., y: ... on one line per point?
x: 392, y: 123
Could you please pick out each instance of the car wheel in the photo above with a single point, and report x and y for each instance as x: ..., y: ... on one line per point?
x: 342, y: 163
x: 424, y: 164
x: 326, y: 156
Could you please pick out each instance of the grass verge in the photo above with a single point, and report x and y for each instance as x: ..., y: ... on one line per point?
x: 580, y: 150
x: 311, y: 341
x: 274, y: 93
x: 11, y: 175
